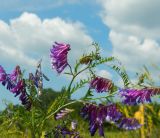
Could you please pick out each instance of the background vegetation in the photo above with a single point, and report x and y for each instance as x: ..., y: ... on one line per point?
x: 15, y: 122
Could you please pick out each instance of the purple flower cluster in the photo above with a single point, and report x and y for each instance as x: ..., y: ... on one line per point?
x: 129, y: 124
x: 14, y: 76
x: 97, y: 115
x: 136, y: 96
x: 62, y: 113
x: 37, y: 80
x: 20, y: 89
x: 5, y: 79
x: 15, y: 84
x: 101, y: 84
x: 2, y: 74
x: 59, y: 56
x: 64, y: 131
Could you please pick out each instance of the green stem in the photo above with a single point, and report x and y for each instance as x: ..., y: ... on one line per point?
x: 70, y: 69
x: 33, y: 127
x: 74, y: 76
x: 63, y: 107
x: 100, y: 97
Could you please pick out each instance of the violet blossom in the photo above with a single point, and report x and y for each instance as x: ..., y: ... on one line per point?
x: 97, y: 115
x: 20, y: 89
x: 15, y: 74
x: 62, y: 113
x: 2, y: 74
x: 59, y: 56
x: 136, y: 96
x: 101, y: 84
x: 5, y: 79
x: 129, y: 124
x: 64, y: 131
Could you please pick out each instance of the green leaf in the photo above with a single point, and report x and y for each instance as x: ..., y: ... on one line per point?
x: 79, y: 85
x: 102, y: 60
x: 58, y: 102
x: 76, y: 67
x: 123, y: 74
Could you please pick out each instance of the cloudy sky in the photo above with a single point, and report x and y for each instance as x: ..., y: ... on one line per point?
x: 127, y: 29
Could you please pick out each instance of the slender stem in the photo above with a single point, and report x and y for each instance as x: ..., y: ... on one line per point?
x: 63, y: 107
x: 33, y: 127
x: 101, y: 97
x: 74, y: 76
x: 82, y: 101
x: 70, y: 69
x: 42, y: 122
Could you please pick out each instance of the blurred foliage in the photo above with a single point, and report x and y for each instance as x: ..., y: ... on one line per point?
x: 16, y: 122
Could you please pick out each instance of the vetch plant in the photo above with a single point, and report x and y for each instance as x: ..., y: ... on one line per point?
x: 55, y: 120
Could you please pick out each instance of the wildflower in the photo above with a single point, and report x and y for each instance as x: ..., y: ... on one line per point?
x: 15, y: 74
x: 20, y: 89
x: 97, y: 116
x: 136, y: 96
x: 15, y: 84
x: 33, y: 79
x: 101, y: 84
x: 2, y: 74
x: 5, y: 79
x: 64, y: 131
x: 59, y: 56
x: 63, y: 113
x: 129, y: 124
x: 113, y: 114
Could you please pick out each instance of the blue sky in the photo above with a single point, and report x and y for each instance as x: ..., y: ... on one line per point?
x: 28, y: 29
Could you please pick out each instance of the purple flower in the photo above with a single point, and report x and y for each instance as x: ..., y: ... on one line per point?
x: 5, y: 79
x: 97, y: 115
x: 20, y: 89
x: 15, y: 74
x: 101, y: 84
x: 2, y: 74
x: 113, y: 114
x: 15, y: 84
x: 59, y: 56
x: 62, y: 113
x: 136, y: 96
x: 64, y: 131
x: 129, y: 124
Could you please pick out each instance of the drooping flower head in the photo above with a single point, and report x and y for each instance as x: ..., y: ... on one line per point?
x: 65, y: 132
x: 59, y: 56
x: 20, y: 89
x: 16, y: 85
x: 5, y: 79
x: 129, y: 124
x: 62, y: 113
x: 101, y: 84
x: 136, y: 96
x: 15, y: 74
x: 97, y: 115
x: 3, y: 74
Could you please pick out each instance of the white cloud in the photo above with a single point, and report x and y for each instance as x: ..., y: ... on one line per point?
x: 134, y: 30
x: 28, y: 38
